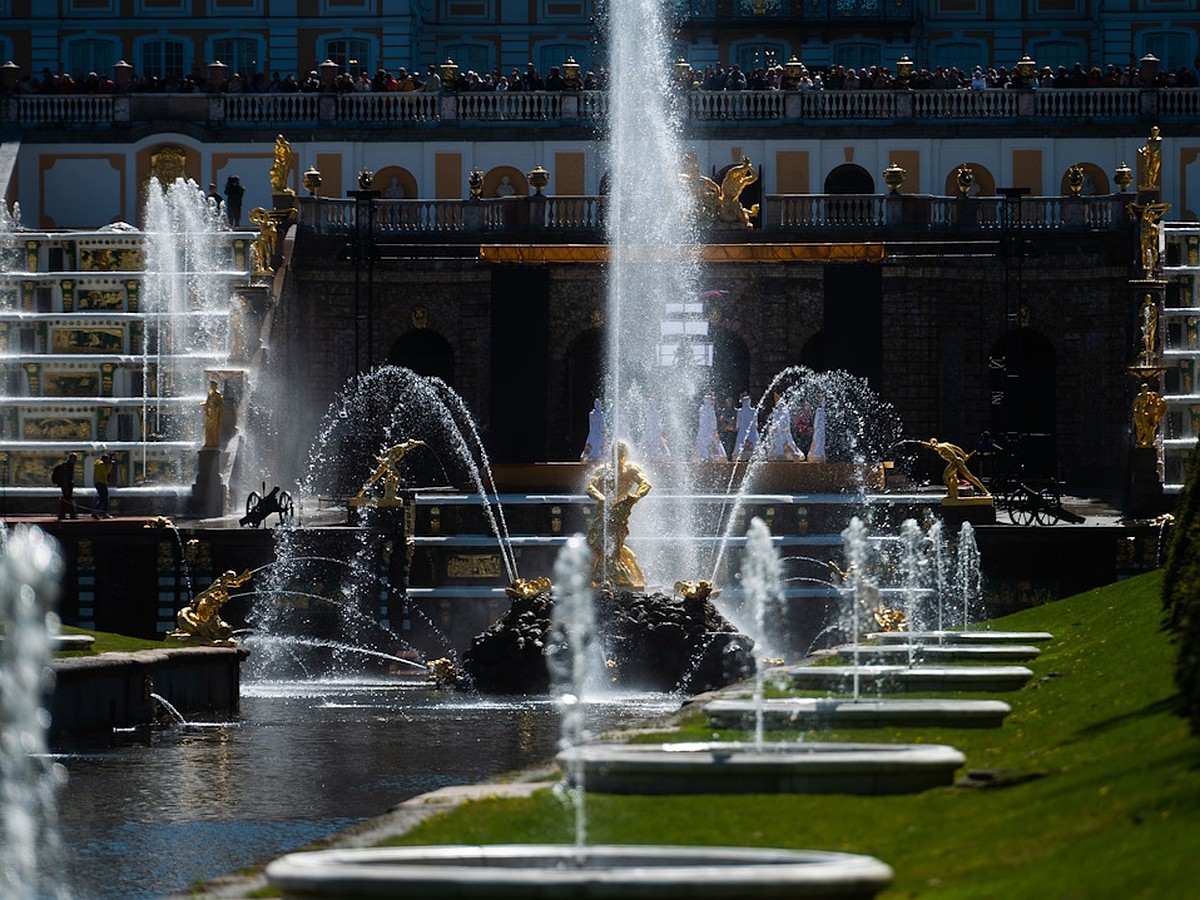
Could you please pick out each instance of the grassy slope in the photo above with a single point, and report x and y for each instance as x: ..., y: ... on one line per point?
x: 107, y: 643
x: 1104, y: 800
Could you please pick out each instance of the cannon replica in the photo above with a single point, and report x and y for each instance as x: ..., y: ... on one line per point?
x: 261, y: 506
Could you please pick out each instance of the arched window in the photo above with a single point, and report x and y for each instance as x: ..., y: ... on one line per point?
x: 243, y: 55
x: 758, y: 54
x: 350, y: 52
x: 1173, y: 49
x: 985, y: 181
x: 1023, y: 385
x: 1058, y: 53
x: 849, y: 179
x: 90, y: 54
x: 470, y: 57
x: 556, y: 54
x: 856, y: 55
x: 162, y: 55
x: 961, y: 55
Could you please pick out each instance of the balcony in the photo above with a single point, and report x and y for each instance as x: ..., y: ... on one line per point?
x: 790, y: 217
x: 588, y: 109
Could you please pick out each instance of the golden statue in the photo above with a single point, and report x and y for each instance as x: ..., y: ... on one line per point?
x: 956, y: 468
x: 1148, y: 409
x: 214, y: 411
x: 1149, y: 326
x: 521, y: 589
x: 283, y: 168
x: 388, y: 471
x: 200, y: 622
x: 263, y: 246
x: 721, y: 204
x: 614, y: 563
x: 1149, y: 163
x: 168, y: 165
x: 1149, y: 215
x: 696, y: 590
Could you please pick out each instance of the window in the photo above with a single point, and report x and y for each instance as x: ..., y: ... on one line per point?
x: 1058, y: 53
x: 165, y: 57
x: 84, y: 55
x: 856, y: 56
x: 240, y: 54
x: 158, y: 7
x: 556, y: 54
x: 471, y: 57
x: 1173, y: 49
x: 351, y: 53
x: 758, y: 54
x: 235, y: 7
x: 467, y: 10
x: 961, y: 55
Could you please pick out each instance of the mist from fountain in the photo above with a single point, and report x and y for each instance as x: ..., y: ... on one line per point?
x: 186, y: 297
x: 30, y: 851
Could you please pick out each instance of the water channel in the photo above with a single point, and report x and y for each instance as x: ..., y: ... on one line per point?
x: 150, y: 815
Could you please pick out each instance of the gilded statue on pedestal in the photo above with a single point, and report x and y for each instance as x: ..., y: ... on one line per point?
x: 388, y: 471
x: 262, y: 249
x: 214, y: 412
x: 615, y: 494
x: 1148, y: 409
x: 283, y: 168
x: 1149, y: 163
x: 956, y: 468
x: 200, y: 621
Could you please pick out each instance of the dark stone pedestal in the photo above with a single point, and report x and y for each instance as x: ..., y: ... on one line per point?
x: 208, y: 493
x: 976, y: 510
x: 1145, y: 490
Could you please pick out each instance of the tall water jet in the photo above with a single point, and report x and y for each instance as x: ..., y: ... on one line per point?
x: 968, y: 576
x: 30, y: 853
x: 654, y: 265
x: 761, y: 573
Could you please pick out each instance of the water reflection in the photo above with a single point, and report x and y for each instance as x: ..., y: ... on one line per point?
x: 302, y: 761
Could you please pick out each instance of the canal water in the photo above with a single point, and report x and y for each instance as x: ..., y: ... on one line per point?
x: 154, y: 813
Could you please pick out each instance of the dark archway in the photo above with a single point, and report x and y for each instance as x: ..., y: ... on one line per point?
x: 731, y: 364
x: 426, y: 353
x: 849, y: 179
x: 584, y: 380
x: 1023, y: 369
x: 812, y: 354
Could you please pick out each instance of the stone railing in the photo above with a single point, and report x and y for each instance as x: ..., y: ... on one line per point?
x: 589, y: 108
x: 799, y: 216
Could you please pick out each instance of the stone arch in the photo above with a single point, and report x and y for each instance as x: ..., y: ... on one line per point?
x: 1095, y: 182
x: 849, y: 178
x: 389, y: 178
x: 812, y: 354
x: 985, y: 181
x: 425, y: 352
x: 1024, y: 387
x: 495, y: 177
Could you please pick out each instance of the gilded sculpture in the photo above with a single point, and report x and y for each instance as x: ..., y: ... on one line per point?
x: 1148, y: 409
x: 283, y: 168
x: 263, y: 247
x: 956, y: 467
x: 720, y: 204
x: 1149, y: 163
x: 214, y: 412
x: 1149, y: 215
x: 1148, y: 320
x: 387, y: 470
x: 200, y: 621
x: 615, y: 495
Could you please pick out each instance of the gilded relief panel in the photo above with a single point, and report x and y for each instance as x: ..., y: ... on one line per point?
x: 71, y: 384
x: 111, y: 259
x: 87, y: 340
x: 57, y: 429
x: 100, y: 299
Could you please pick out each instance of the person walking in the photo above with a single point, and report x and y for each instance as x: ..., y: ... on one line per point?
x: 101, y: 474
x: 63, y: 475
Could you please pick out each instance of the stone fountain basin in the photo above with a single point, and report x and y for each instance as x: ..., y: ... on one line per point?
x: 960, y: 637
x: 775, y: 768
x: 812, y: 712
x: 556, y: 870
x: 904, y: 678
x: 940, y: 653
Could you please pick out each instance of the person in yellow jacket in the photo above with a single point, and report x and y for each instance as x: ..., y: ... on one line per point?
x: 101, y: 473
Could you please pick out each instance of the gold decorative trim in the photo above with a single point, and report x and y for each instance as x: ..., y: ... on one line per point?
x: 595, y: 254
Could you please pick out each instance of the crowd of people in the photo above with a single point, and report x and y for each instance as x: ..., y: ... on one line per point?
x: 714, y: 77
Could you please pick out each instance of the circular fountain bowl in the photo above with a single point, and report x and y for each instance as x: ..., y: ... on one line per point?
x: 558, y: 870
x: 775, y: 768
x: 833, y: 712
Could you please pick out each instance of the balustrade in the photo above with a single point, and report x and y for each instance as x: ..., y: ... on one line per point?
x: 1045, y: 105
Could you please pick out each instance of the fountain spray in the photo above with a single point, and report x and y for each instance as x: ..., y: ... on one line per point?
x: 761, y: 579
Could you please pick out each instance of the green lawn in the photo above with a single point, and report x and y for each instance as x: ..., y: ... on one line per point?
x: 1100, y: 795
x: 107, y: 643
